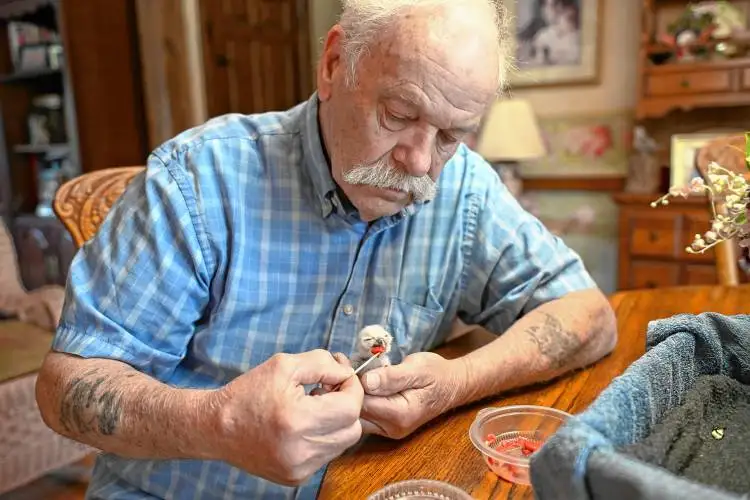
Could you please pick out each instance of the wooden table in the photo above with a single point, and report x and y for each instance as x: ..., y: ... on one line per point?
x: 442, y: 450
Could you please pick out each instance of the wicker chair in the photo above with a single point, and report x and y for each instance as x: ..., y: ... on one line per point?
x: 82, y: 203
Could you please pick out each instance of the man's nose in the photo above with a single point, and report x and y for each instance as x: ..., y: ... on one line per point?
x: 416, y: 155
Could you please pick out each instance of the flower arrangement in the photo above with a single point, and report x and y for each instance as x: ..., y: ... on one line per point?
x: 730, y: 218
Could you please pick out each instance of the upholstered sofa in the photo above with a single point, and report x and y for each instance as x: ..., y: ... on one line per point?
x: 28, y: 448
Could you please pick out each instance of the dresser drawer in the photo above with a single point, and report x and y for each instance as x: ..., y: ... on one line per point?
x: 654, y: 236
x: 698, y: 274
x: 653, y: 274
x: 745, y: 81
x: 689, y: 83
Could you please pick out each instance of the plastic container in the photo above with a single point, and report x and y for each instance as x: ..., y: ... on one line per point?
x: 422, y: 489
x: 509, y: 435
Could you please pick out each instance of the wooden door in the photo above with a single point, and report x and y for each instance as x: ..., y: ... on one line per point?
x: 101, y: 56
x: 256, y: 55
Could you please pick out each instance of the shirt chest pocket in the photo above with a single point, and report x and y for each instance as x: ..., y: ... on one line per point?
x: 413, y: 325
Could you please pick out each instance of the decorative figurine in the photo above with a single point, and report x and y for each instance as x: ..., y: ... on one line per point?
x: 644, y: 170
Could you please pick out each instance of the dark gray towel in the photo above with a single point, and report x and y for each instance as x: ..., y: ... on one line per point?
x: 707, y: 438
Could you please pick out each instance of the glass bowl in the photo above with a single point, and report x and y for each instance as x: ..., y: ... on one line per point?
x: 420, y: 489
x: 508, y: 436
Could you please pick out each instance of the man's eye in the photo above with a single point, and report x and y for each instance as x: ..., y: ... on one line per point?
x: 448, y: 138
x: 397, y: 117
x: 394, y: 121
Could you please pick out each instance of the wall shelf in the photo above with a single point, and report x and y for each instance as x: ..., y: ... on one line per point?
x: 24, y: 76
x: 687, y: 85
x: 48, y: 149
x: 97, y: 76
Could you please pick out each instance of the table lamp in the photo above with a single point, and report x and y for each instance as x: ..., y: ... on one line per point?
x: 510, y: 135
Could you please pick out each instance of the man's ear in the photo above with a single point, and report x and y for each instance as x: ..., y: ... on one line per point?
x: 331, y: 62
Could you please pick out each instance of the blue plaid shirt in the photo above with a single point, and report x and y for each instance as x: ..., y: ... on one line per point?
x: 235, y: 245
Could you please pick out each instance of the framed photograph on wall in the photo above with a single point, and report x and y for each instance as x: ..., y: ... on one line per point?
x: 585, y: 145
x: 684, y: 148
x: 555, y: 42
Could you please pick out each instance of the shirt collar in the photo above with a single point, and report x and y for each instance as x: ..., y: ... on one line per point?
x: 319, y: 169
x: 314, y: 157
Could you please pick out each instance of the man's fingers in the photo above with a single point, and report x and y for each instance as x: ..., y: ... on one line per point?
x: 352, y: 388
x: 369, y: 427
x: 390, y: 380
x: 341, y: 358
x: 318, y: 367
x: 334, y: 410
x: 384, y: 409
x: 343, y: 405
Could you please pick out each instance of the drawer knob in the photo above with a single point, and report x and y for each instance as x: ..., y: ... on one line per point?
x: 685, y: 84
x: 653, y: 236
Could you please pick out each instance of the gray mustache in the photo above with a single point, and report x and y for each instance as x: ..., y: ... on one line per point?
x: 382, y: 175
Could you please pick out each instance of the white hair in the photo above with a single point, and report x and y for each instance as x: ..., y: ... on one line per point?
x: 363, y: 20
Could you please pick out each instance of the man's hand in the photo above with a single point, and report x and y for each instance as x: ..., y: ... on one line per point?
x: 273, y: 429
x: 400, y: 398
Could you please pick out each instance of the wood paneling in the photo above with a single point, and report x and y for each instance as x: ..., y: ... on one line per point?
x: 256, y: 55
x: 172, y: 70
x: 101, y: 51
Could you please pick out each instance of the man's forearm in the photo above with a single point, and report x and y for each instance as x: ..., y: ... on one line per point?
x: 109, y: 405
x: 557, y: 337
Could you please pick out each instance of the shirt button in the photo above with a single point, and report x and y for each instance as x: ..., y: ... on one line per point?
x: 348, y: 309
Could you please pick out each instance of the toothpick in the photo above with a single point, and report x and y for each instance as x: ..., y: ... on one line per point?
x: 359, y: 369
x: 366, y: 363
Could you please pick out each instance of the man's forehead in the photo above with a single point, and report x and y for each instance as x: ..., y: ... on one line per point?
x: 439, y: 109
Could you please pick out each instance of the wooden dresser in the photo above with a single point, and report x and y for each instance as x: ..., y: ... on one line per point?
x: 669, y: 85
x: 652, y: 242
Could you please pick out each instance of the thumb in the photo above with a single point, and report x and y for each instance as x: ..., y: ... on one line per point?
x: 320, y: 367
x: 390, y: 380
x: 341, y: 359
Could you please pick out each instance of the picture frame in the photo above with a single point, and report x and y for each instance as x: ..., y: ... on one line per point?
x: 683, y: 153
x: 583, y: 145
x: 543, y: 57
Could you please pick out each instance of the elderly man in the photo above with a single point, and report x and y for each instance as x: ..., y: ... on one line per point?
x: 213, y: 296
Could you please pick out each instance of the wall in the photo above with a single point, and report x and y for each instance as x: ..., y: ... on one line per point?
x: 323, y: 15
x: 615, y: 91
x: 169, y: 37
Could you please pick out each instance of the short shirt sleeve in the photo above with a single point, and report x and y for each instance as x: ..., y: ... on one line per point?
x: 136, y: 290
x: 515, y: 263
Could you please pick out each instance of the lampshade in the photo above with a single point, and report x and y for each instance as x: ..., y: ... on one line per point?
x: 510, y: 133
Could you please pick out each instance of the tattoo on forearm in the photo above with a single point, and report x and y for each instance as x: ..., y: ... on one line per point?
x: 89, y: 405
x: 553, y: 341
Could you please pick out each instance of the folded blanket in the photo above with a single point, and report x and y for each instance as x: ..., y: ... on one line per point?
x: 707, y: 439
x: 584, y: 459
